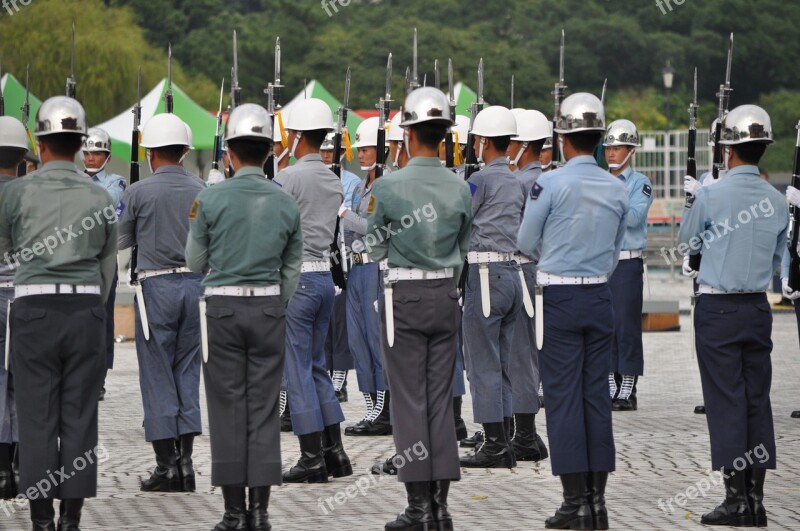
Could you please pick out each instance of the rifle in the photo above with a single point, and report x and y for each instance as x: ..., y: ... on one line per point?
x: 437, y: 78
x: 26, y: 113
x: 691, y: 161
x: 134, y: 170
x: 71, y: 82
x: 449, y: 151
x: 512, y: 91
x: 217, y: 155
x: 723, y: 96
x: 472, y: 164
x: 558, y: 98
x: 414, y: 80
x: 273, y: 92
x: 236, y: 91
x: 2, y: 98
x: 338, y: 256
x: 168, y: 99
x: 603, y: 93
x: 384, y: 107
x: 794, y: 218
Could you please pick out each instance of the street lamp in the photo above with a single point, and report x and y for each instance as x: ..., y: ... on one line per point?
x: 669, y: 74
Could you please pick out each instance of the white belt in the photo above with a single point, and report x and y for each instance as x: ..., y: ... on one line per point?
x: 628, y: 255
x: 394, y: 274
x: 475, y: 257
x: 709, y: 290
x: 361, y: 258
x: 55, y: 289
x: 548, y: 279
x: 158, y: 272
x: 8, y: 284
x: 244, y: 291
x: 315, y: 267
x: 522, y: 259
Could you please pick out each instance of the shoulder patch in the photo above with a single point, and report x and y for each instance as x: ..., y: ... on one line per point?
x: 120, y: 209
x: 194, y: 210
x: 536, y: 190
x: 371, y: 206
x: 123, y: 184
x: 472, y: 188
x: 647, y: 190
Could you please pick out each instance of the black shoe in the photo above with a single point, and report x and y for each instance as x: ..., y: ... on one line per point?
x: 495, y: 452
x: 623, y: 404
x: 380, y: 423
x: 185, y: 446
x: 796, y: 414
x: 472, y: 442
x: 166, y: 475
x: 286, y: 418
x: 526, y: 444
x: 341, y: 395
x: 755, y: 495
x: 387, y: 467
x: 369, y: 400
x: 70, y: 515
x: 42, y: 514
x: 461, y: 427
x: 596, y: 497
x: 575, y: 512
x: 336, y: 461
x: 235, y: 517
x: 735, y: 509
x: 439, y: 490
x: 258, y: 515
x: 700, y: 410
x: 417, y: 516
x: 102, y: 395
x: 310, y: 468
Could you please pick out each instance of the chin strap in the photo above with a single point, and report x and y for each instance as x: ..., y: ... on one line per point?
x: 480, y: 149
x: 396, y: 161
x: 519, y: 155
x: 95, y: 171
x: 622, y: 164
x: 297, y: 135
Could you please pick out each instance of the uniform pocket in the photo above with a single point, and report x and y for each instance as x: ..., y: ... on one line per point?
x: 218, y: 313
x: 764, y: 307
x: 718, y: 308
x: 99, y: 312
x: 28, y: 314
x: 275, y: 311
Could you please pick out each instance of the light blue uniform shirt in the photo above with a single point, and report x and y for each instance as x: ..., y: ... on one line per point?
x: 349, y: 182
x: 497, y: 201
x: 527, y: 176
x: 114, y: 184
x: 577, y: 214
x: 740, y: 223
x: 640, y: 197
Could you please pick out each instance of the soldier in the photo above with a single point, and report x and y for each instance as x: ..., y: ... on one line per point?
x: 732, y: 319
x: 793, y: 195
x: 420, y: 307
x: 155, y: 218
x: 13, y: 146
x: 398, y: 157
x: 64, y: 260
x: 493, y: 295
x: 96, y: 153
x: 532, y: 128
x: 626, y: 284
x: 246, y: 233
x: 363, y: 322
x: 579, y: 251
x: 316, y: 412
x: 546, y: 156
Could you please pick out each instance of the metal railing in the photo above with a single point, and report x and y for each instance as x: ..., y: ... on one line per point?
x: 662, y: 157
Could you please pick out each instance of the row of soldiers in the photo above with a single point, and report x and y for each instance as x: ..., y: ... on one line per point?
x: 256, y: 254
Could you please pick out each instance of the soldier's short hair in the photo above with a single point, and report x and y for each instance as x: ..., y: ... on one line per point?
x: 750, y: 152
x: 585, y: 141
x: 315, y: 138
x: 500, y: 143
x: 170, y: 153
x: 251, y: 152
x: 536, y: 146
x: 63, y: 144
x: 11, y: 158
x: 430, y: 134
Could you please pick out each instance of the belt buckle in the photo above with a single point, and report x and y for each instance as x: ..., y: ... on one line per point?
x: 357, y: 258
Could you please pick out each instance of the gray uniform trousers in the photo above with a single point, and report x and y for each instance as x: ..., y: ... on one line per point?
x: 58, y: 359
x: 8, y: 409
x: 420, y: 368
x: 523, y: 365
x: 246, y: 337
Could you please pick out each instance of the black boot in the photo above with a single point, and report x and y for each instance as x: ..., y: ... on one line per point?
x: 336, y: 461
x: 387, y: 467
x: 311, y: 465
x: 461, y: 427
x: 596, y: 496
x: 42, y: 514
x: 472, y: 442
x: 418, y: 515
x: 235, y: 517
x: 185, y: 446
x: 166, y: 476
x: 495, y: 451
x: 379, y: 423
x: 7, y: 490
x: 755, y: 495
x: 575, y: 512
x: 439, y: 490
x: 527, y: 445
x: 369, y: 400
x: 259, y: 503
x: 70, y: 515
x: 735, y: 510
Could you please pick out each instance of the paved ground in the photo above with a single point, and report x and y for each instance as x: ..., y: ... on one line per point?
x: 662, y: 451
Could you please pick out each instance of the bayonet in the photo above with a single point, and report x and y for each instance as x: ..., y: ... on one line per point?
x: 71, y: 82
x: 388, y: 91
x: 725, y: 89
x: 449, y: 145
x: 409, y: 88
x: 603, y: 93
x: 480, y: 83
x: 168, y: 100
x: 512, y: 91
x: 450, y: 88
x: 437, y: 80
x: 276, y: 85
x: 414, y: 71
x: 217, y: 154
x: 26, y: 105
x: 236, y: 91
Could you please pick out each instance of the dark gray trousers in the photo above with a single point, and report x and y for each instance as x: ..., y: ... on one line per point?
x: 246, y: 337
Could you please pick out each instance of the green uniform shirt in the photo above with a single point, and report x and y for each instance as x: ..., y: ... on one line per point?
x: 246, y: 232
x: 58, y: 227
x: 420, y: 217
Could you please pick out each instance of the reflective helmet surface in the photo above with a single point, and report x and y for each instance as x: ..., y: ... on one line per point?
x: 746, y: 123
x: 97, y: 140
x: 426, y: 105
x: 581, y: 112
x: 621, y: 133
x: 60, y: 114
x: 249, y: 121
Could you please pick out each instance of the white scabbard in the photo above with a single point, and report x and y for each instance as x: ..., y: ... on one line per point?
x: 526, y: 296
x: 646, y: 280
x: 692, y: 301
x: 142, y: 311
x: 203, y: 329
x: 539, y: 318
x: 8, y: 336
x: 388, y: 292
x: 486, y: 303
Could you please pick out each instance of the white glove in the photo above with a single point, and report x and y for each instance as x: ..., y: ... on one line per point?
x: 128, y: 277
x: 691, y: 185
x: 787, y: 291
x: 793, y: 195
x: 215, y: 177
x: 688, y: 271
x: 375, y: 304
x: 342, y: 210
x: 336, y: 290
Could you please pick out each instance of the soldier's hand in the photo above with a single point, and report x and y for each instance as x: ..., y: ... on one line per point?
x: 215, y: 176
x: 691, y: 185
x: 343, y: 210
x: 688, y: 271
x: 787, y: 291
x: 793, y: 195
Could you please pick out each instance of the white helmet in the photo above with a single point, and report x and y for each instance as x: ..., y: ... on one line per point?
x: 97, y: 140
x: 581, y: 112
x: 164, y: 130
x: 621, y: 133
x: 60, y: 114
x: 746, y: 123
x: 250, y: 121
x: 367, y: 133
x: 426, y: 105
x: 189, y: 134
x: 310, y: 115
x: 462, y: 128
x: 532, y: 125
x: 495, y: 121
x: 395, y: 131
x: 12, y: 133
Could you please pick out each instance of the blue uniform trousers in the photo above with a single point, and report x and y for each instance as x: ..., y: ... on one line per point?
x: 578, y: 330
x: 364, y: 327
x: 8, y: 409
x: 169, y: 363
x: 524, y: 364
x: 337, y: 347
x: 487, y: 340
x: 732, y: 335
x: 627, y: 283
x: 312, y: 399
